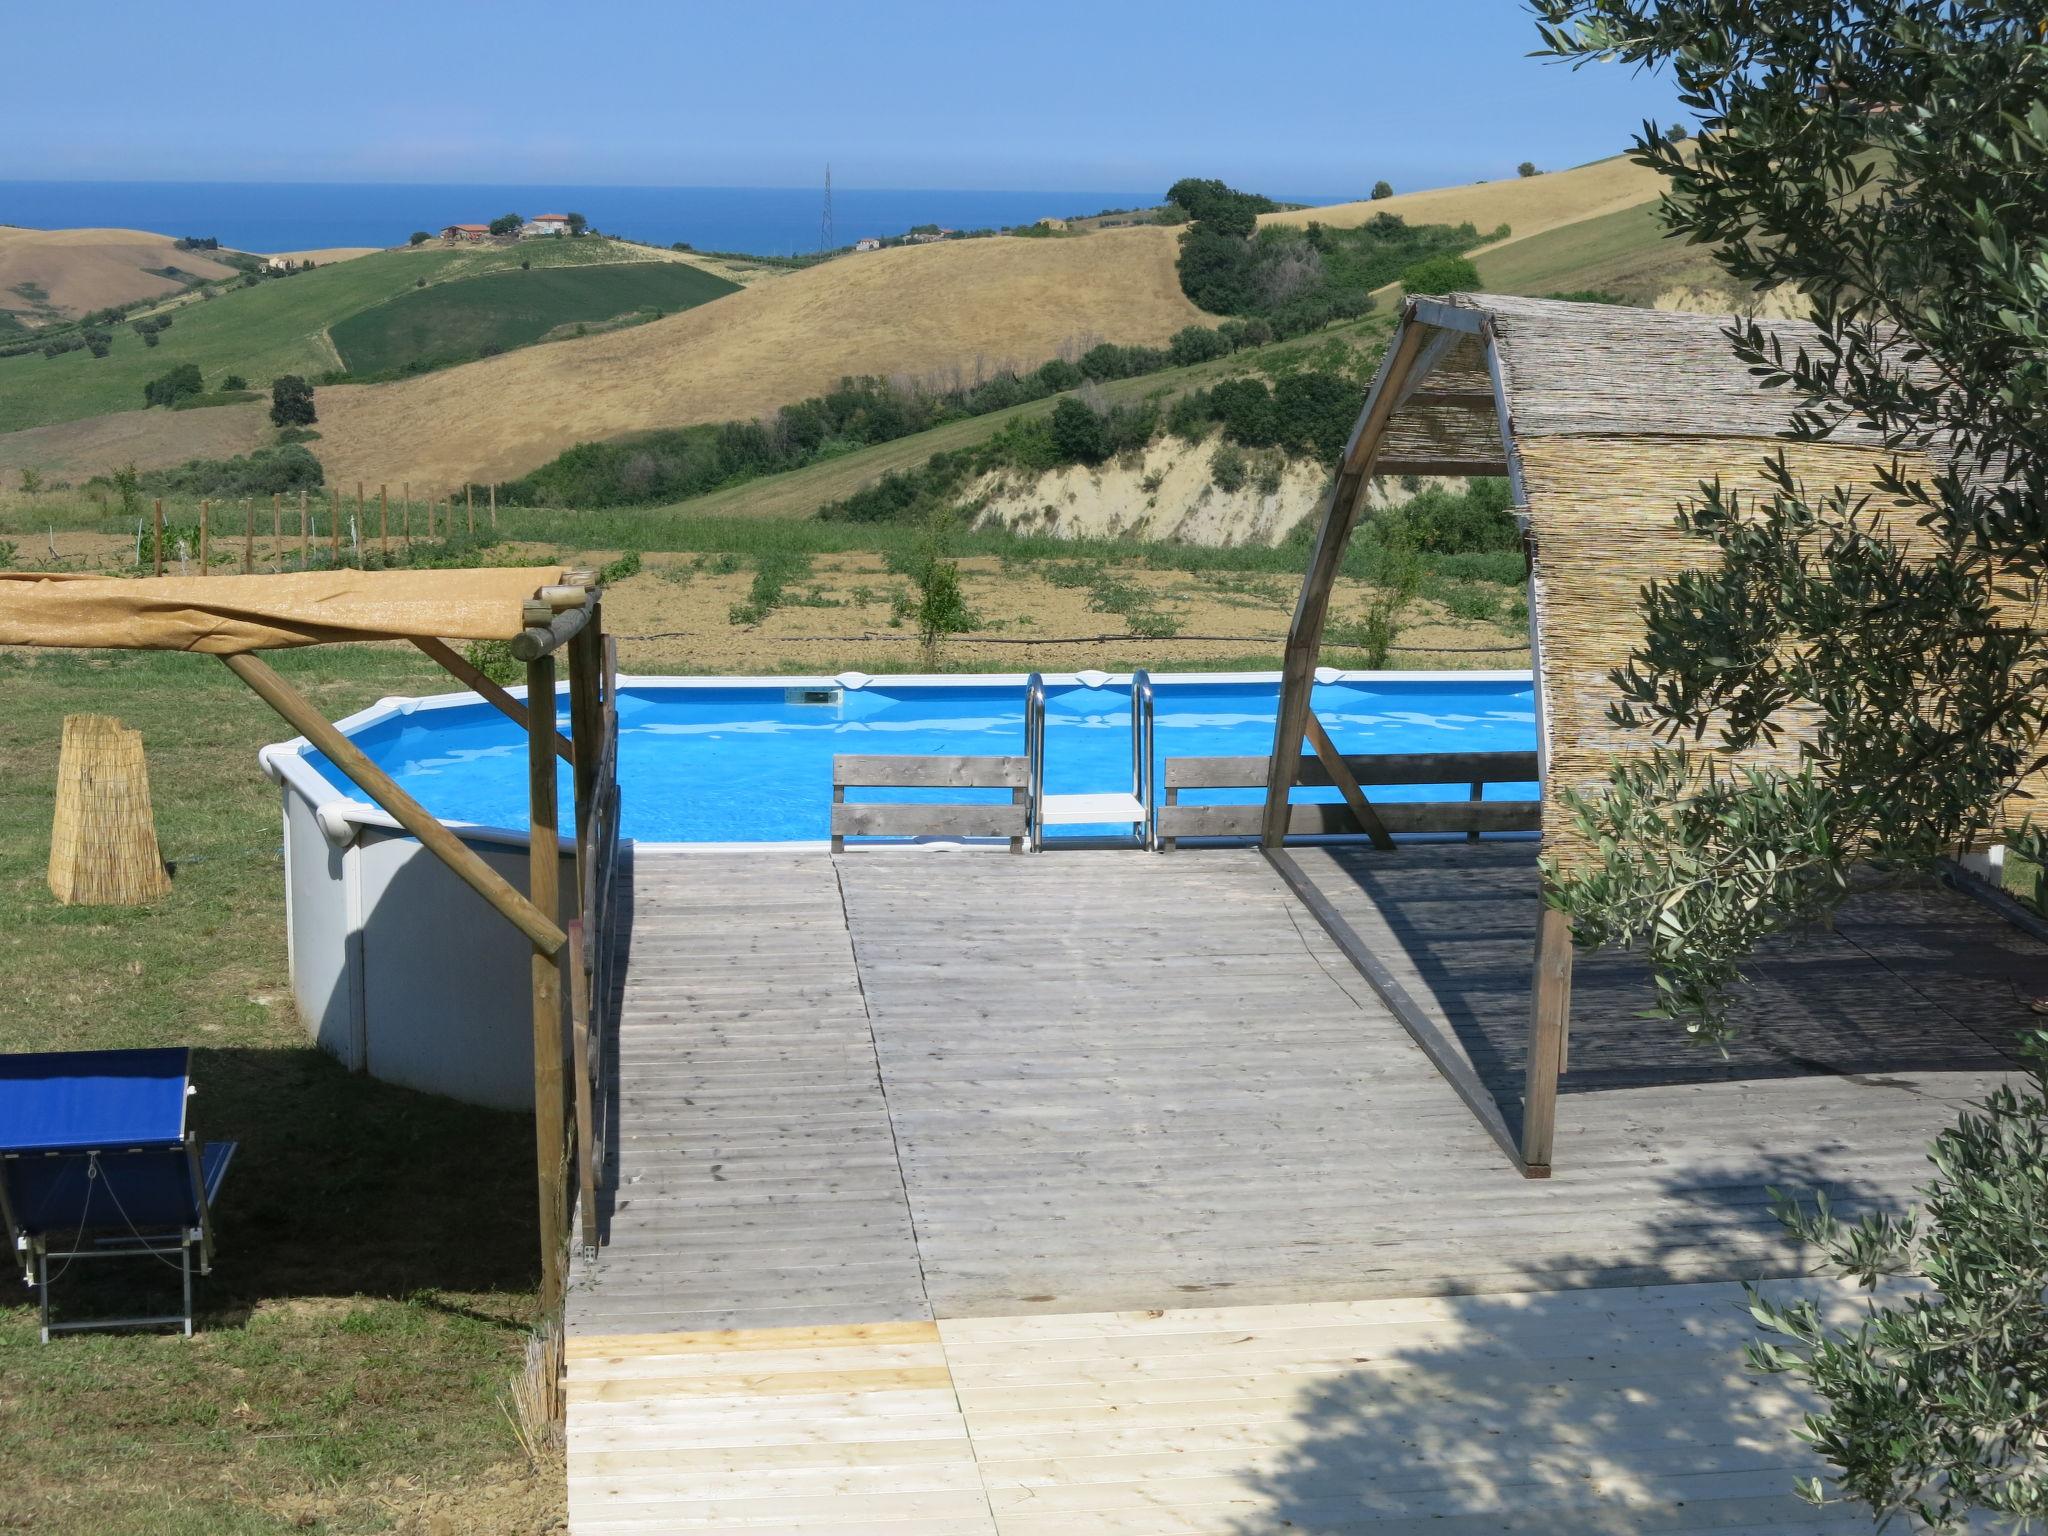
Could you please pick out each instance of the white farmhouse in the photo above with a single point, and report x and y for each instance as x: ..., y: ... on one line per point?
x: 545, y: 224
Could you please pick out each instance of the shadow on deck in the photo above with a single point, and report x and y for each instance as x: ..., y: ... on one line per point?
x: 1907, y: 980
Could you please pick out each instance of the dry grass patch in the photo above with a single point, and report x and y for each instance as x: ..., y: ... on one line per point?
x: 917, y: 310
x: 47, y: 274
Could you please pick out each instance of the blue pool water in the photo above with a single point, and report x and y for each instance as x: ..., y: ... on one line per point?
x: 718, y: 764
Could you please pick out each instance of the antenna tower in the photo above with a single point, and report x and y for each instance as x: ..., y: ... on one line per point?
x: 826, y: 239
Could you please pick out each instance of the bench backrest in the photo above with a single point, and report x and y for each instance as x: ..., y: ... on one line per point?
x: 1471, y: 815
x: 925, y: 818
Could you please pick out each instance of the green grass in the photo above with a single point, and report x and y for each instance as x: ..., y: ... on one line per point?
x: 375, y: 1271
x: 1623, y: 253
x: 279, y: 326
x: 456, y: 321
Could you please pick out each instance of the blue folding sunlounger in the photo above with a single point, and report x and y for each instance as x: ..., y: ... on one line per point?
x: 96, y: 1161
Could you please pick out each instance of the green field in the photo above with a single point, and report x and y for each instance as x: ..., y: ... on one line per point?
x: 376, y: 1269
x: 454, y: 322
x: 279, y: 326
x: 1624, y: 253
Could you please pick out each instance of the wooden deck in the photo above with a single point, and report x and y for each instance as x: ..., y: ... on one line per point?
x: 920, y: 1155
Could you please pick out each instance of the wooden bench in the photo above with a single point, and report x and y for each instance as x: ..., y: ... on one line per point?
x: 923, y: 818
x: 1471, y: 816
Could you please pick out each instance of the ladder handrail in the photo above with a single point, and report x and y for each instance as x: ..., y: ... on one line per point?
x: 1034, y: 758
x: 1143, y: 728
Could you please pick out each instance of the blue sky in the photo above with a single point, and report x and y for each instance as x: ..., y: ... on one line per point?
x: 1286, y: 96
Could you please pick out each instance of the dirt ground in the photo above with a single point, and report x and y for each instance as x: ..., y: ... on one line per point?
x: 675, y: 615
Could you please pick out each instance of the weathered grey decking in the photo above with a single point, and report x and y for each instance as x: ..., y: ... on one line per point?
x: 871, y: 1105
x: 895, y: 1086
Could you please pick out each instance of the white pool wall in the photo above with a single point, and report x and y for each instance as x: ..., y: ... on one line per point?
x: 402, y: 972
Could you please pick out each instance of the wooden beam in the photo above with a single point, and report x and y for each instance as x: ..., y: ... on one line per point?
x: 548, y: 630
x: 536, y: 923
x: 1311, y: 610
x: 1447, y: 317
x: 544, y: 874
x: 457, y: 666
x: 1549, y: 1008
x: 1444, y: 1053
x: 1333, y: 764
x: 586, y: 668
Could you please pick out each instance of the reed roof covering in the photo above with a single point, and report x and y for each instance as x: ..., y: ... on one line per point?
x: 233, y: 615
x: 1615, y: 418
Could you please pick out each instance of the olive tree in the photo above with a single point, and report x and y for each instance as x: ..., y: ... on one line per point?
x: 1884, y: 159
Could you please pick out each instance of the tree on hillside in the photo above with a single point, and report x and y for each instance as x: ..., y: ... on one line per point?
x: 1078, y: 433
x: 578, y: 224
x: 418, y: 237
x: 1441, y: 274
x: 1382, y: 189
x: 1527, y: 169
x: 506, y: 224
x: 169, y: 388
x: 291, y: 401
x: 1887, y: 160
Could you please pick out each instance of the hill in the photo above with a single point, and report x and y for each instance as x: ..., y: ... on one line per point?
x: 62, y: 274
x: 281, y: 325
x: 502, y: 310
x: 1528, y: 205
x: 946, y: 308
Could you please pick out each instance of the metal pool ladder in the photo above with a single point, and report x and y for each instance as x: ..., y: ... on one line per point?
x: 1134, y: 808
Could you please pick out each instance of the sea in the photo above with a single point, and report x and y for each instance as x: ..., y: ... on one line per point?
x: 761, y: 221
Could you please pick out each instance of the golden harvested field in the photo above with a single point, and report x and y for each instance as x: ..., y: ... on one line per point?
x: 916, y: 310
x: 154, y: 439
x: 326, y: 255
x: 69, y: 272
x: 1528, y: 205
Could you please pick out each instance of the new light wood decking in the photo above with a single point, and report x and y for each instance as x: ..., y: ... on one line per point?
x: 936, y: 1093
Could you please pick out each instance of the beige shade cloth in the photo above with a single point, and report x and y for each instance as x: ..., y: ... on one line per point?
x: 231, y: 615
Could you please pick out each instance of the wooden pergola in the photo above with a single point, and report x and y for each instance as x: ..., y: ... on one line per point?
x: 1604, y: 420
x: 541, y: 613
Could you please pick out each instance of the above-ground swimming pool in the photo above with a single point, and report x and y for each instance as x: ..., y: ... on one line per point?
x: 718, y: 761
x: 401, y: 971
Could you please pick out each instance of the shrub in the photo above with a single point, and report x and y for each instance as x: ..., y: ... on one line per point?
x: 234, y: 381
x: 1441, y: 274
x: 1527, y: 169
x: 291, y: 402
x: 99, y: 342
x: 1227, y: 468
x: 1078, y: 433
x: 1190, y: 417
x: 1313, y: 413
x: 266, y: 472
x: 1478, y: 521
x: 1197, y: 344
x: 1382, y: 190
x: 170, y: 388
x: 418, y: 237
x: 1245, y: 407
x: 419, y: 282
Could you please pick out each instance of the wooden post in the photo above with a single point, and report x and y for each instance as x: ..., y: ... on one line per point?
x: 277, y: 530
x: 305, y: 534
x: 205, y: 509
x: 494, y: 506
x: 405, y: 495
x: 1340, y: 775
x: 384, y: 524
x: 334, y: 530
x: 1312, y: 608
x: 544, y: 870
x: 586, y: 666
x: 358, y: 531
x: 248, y: 536
x: 1549, y: 1008
x: 469, y: 500
x: 157, y: 558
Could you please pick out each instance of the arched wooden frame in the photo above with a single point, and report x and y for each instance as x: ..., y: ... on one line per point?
x: 1429, y: 332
